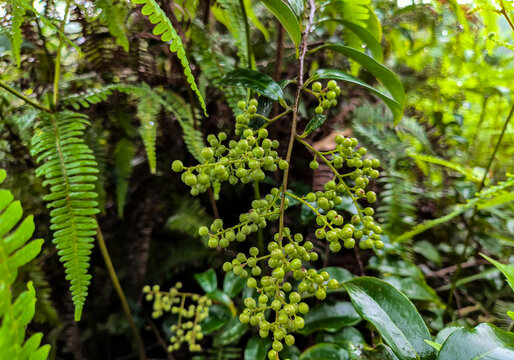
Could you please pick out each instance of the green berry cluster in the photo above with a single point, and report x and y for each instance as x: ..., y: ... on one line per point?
x: 263, y: 210
x: 244, y: 160
x: 326, y: 96
x: 188, y: 328
x: 275, y: 292
x: 249, y: 112
x: 362, y: 226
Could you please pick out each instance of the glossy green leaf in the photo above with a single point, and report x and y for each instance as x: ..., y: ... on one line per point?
x: 444, y: 333
x: 364, y: 34
x: 427, y: 250
x: 287, y: 18
x: 395, y: 107
x: 415, y: 289
x: 325, y: 352
x: 218, y: 316
x: 507, y: 270
x: 233, y: 284
x: 435, y: 345
x: 394, y: 316
x: 231, y: 332
x: 257, y: 348
x: 330, y: 317
x: 207, y: 280
x: 343, y: 337
x: 314, y: 124
x: 222, y: 298
x: 380, y: 352
x: 484, y: 342
x: 257, y: 81
x: 297, y: 6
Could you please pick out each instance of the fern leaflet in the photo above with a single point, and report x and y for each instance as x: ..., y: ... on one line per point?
x: 113, y: 17
x: 147, y: 113
x: 123, y: 155
x: 15, y: 251
x: 492, y: 196
x: 166, y: 31
x: 70, y: 170
x: 448, y: 164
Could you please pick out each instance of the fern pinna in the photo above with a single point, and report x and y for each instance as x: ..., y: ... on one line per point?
x: 167, y: 32
x: 69, y: 169
x: 15, y: 252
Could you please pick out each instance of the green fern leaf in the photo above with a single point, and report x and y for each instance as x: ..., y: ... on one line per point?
x: 18, y: 14
x: 70, y: 170
x: 448, y: 164
x: 147, y: 113
x: 232, y: 17
x: 123, y: 155
x: 15, y: 251
x: 166, y: 31
x: 113, y: 17
x: 492, y: 196
x: 192, y: 137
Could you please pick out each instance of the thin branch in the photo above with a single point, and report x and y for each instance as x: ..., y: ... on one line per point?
x: 23, y: 97
x: 301, y: 61
x: 57, y: 71
x: 121, y: 294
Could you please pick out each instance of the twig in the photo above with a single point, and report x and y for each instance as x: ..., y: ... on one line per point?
x: 57, y: 71
x: 121, y: 294
x: 23, y: 97
x: 301, y: 60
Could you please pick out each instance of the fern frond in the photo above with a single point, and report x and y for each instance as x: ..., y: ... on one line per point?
x: 164, y: 28
x: 214, y: 65
x: 448, y: 164
x: 147, y: 111
x: 188, y: 218
x: 123, y: 155
x: 192, y: 137
x: 113, y: 16
x: 70, y: 170
x: 18, y: 14
x: 15, y: 251
x: 492, y: 196
x: 235, y: 23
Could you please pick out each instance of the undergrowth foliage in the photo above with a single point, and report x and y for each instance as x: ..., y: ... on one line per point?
x: 15, y: 251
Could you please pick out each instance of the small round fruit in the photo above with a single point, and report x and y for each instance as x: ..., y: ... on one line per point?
x: 177, y: 166
x: 316, y: 87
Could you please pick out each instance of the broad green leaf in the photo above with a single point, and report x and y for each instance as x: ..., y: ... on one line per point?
x: 380, y: 352
x: 435, y: 345
x: 325, y: 352
x: 207, y: 280
x: 257, y: 348
x: 507, y: 270
x: 383, y: 74
x: 373, y: 24
x: 222, y: 298
x: 287, y: 18
x: 444, y: 333
x: 484, y: 342
x: 395, y: 107
x: 255, y: 20
x: 230, y: 333
x: 415, y: 289
x: 427, y: 250
x: 256, y: 81
x: 297, y: 6
x: 314, y: 124
x: 343, y: 337
x: 364, y: 34
x: 394, y: 316
x: 218, y: 316
x: 330, y: 317
x: 233, y: 284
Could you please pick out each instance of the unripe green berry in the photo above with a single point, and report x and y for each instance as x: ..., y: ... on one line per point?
x: 332, y: 85
x: 252, y: 109
x: 321, y: 294
x: 283, y: 165
x: 190, y: 179
x: 213, y: 242
x: 203, y: 231
x: 177, y: 166
x: 316, y: 87
x: 313, y: 164
x: 227, y: 266
x: 207, y: 153
x: 319, y: 110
